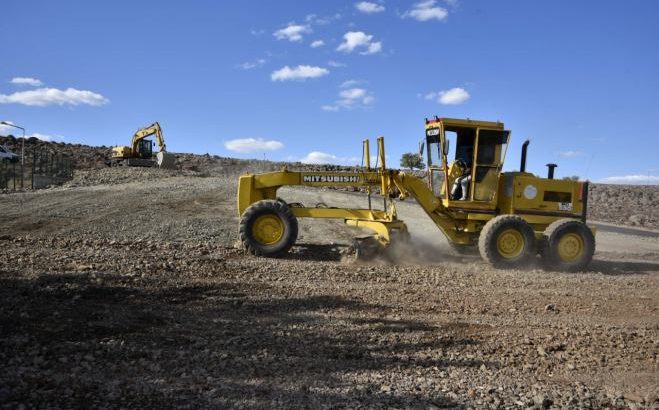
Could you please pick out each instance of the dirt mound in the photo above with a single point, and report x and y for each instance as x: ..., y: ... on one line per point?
x: 85, y: 156
x: 634, y: 205
x: 122, y: 175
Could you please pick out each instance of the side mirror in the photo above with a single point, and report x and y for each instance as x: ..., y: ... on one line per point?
x: 422, y: 145
x: 446, y: 146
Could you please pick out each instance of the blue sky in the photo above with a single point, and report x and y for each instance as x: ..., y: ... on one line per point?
x: 308, y: 80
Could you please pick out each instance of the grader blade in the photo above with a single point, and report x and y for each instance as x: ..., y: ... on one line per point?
x: 366, y: 248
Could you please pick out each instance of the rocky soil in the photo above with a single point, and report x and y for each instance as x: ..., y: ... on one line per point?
x: 124, y: 289
x: 632, y: 205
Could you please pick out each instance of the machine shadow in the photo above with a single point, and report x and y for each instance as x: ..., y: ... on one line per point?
x: 317, y: 252
x: 211, y: 345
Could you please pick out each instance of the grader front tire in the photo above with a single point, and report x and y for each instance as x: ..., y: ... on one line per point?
x: 568, y: 245
x: 268, y: 228
x: 507, y: 241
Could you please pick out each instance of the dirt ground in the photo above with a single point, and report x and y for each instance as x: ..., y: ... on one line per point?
x: 133, y: 294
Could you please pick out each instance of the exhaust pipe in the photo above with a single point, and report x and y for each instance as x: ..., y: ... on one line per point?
x: 525, y: 146
x: 550, y: 170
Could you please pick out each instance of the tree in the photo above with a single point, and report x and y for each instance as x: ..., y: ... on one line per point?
x: 411, y: 160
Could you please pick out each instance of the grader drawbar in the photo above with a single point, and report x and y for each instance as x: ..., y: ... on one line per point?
x: 510, y: 217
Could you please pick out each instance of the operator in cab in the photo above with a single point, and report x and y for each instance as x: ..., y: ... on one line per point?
x: 460, y: 188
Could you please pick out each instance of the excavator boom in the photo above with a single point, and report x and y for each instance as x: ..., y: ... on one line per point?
x: 153, y: 129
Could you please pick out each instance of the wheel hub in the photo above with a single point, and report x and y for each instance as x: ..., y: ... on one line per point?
x: 510, y: 243
x: 268, y: 229
x: 570, y: 247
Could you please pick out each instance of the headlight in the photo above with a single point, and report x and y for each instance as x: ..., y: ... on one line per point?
x: 432, y: 132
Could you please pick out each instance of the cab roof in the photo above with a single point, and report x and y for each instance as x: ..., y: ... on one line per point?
x: 463, y: 123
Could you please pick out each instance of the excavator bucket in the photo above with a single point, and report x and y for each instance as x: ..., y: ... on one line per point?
x: 165, y: 160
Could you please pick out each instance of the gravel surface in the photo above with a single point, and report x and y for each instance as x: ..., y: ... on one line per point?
x: 132, y: 294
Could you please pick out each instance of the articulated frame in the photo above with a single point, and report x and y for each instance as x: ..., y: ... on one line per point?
x: 458, y: 228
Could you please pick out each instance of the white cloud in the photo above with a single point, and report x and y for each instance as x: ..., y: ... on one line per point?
x: 369, y: 8
x: 425, y: 11
x: 26, y: 81
x: 632, y: 180
x: 336, y: 64
x: 53, y: 96
x: 255, y: 32
x: 351, y: 98
x: 353, y: 93
x: 350, y: 83
x: 317, y: 43
x: 252, y: 64
x: 317, y: 157
x: 292, y: 32
x: 299, y: 73
x: 321, y: 21
x: 570, y: 154
x: 248, y: 145
x: 373, y: 48
x: 6, y: 129
x: 368, y: 100
x: 358, y: 39
x: 453, y: 96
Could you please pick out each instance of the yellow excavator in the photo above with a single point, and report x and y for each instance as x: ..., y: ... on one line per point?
x: 140, y: 153
x: 508, y: 216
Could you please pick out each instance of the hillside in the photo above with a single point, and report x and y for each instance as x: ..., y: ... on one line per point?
x: 632, y: 205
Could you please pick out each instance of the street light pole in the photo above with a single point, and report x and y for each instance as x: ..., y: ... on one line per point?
x: 22, y: 142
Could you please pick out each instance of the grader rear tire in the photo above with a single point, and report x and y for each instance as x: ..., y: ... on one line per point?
x: 507, y: 241
x: 268, y: 228
x: 568, y: 246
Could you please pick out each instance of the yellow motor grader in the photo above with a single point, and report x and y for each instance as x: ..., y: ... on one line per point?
x: 510, y: 217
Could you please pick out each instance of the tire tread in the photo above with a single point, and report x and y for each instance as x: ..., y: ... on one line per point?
x: 551, y: 261
x: 262, y: 207
x: 487, y: 237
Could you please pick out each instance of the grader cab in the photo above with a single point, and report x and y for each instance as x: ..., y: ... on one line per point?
x: 509, y: 216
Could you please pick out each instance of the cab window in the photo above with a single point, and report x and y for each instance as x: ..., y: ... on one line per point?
x: 461, y: 144
x: 489, y: 146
